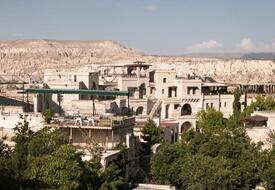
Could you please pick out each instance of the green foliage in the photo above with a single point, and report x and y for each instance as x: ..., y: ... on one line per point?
x: 122, y: 160
x: 46, y: 141
x: 19, y: 156
x: 59, y: 170
x: 237, y: 104
x: 216, y: 159
x: 210, y: 120
x: 111, y: 178
x: 151, y: 134
x: 45, y: 160
x: 48, y: 115
x: 7, y: 174
x: 261, y: 104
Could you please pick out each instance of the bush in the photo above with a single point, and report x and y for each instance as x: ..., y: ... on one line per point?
x: 47, y: 115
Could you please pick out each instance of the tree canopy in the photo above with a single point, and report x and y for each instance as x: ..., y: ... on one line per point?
x: 217, y: 157
x: 45, y: 160
x: 151, y: 134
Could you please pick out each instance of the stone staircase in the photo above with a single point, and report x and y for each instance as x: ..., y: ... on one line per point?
x: 155, y: 109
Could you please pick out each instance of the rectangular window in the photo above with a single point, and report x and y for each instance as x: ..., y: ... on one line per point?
x: 194, y: 91
x: 188, y: 90
x: 211, y: 105
x: 162, y: 91
x: 224, y: 104
x: 164, y: 80
x: 207, y: 105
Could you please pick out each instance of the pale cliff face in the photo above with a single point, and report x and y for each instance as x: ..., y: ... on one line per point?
x: 23, y: 57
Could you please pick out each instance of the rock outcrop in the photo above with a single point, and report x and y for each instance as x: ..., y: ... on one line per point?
x: 29, y: 57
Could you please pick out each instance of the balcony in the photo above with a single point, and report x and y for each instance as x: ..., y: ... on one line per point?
x: 94, y: 122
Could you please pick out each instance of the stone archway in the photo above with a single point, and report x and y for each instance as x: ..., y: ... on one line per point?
x: 139, y: 110
x: 185, y: 127
x: 186, y: 110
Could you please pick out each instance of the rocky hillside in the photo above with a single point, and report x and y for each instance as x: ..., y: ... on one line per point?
x: 29, y: 57
x: 22, y: 57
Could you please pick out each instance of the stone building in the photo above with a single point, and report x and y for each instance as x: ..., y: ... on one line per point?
x: 155, y: 91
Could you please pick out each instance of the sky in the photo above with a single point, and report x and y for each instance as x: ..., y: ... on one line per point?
x: 163, y: 27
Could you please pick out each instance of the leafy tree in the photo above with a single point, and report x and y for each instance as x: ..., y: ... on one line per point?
x: 151, y: 134
x: 122, y: 160
x: 90, y: 178
x: 111, y: 179
x: 261, y: 104
x: 7, y: 174
x: 237, y: 104
x: 19, y: 156
x: 59, y: 170
x: 48, y: 115
x: 166, y: 164
x: 46, y: 141
x: 210, y: 160
x: 235, y: 119
x: 210, y: 120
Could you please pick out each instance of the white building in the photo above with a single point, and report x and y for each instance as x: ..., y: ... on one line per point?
x: 156, y: 91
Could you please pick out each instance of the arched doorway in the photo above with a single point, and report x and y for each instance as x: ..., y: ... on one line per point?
x: 186, y: 110
x: 167, y: 111
x: 185, y: 127
x: 139, y: 110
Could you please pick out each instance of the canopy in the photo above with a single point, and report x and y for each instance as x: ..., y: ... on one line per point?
x: 70, y: 91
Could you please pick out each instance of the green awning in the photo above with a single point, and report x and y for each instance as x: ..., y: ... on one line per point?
x: 69, y: 91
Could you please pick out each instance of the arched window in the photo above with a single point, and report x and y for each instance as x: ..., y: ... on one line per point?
x: 139, y: 110
x: 185, y: 127
x: 186, y: 110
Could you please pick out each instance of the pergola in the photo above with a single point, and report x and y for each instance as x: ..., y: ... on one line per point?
x: 71, y: 91
x: 255, y: 121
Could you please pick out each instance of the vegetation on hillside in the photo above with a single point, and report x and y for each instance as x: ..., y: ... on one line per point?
x: 219, y: 156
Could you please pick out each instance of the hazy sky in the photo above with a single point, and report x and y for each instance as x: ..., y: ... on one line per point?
x: 153, y: 26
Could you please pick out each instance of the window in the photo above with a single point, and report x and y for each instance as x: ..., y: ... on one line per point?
x: 211, y: 105
x: 75, y: 78
x: 207, y: 105
x: 194, y: 91
x: 164, y: 80
x: 152, y: 90
x: 224, y: 104
x: 188, y: 90
x: 162, y: 91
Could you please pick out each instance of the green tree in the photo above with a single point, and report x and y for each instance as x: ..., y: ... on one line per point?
x: 48, y: 115
x: 7, y: 175
x: 45, y: 141
x: 261, y: 104
x: 210, y: 120
x: 59, y: 170
x: 237, y: 104
x: 111, y: 179
x: 210, y: 160
x: 23, y: 134
x: 151, y: 134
